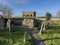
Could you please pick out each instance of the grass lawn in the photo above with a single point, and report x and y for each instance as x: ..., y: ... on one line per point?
x: 16, y: 38
x: 51, y: 36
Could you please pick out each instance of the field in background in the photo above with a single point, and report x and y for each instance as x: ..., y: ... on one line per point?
x: 54, y: 21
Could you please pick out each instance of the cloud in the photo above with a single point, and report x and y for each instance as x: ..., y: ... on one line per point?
x: 11, y: 2
x: 21, y: 1
x: 4, y: 2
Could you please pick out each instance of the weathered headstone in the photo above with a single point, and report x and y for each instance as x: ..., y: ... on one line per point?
x: 47, y: 25
x: 9, y: 26
x: 25, y: 36
x: 42, y: 27
x: 1, y: 23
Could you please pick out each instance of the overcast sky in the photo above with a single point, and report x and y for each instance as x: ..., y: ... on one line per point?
x: 40, y: 6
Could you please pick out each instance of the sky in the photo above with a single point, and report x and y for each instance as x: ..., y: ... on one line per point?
x: 40, y: 6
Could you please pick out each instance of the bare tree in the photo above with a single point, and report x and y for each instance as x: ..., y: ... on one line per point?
x: 6, y: 11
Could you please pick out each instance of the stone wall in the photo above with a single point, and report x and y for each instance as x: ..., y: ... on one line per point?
x: 31, y: 22
x: 28, y: 22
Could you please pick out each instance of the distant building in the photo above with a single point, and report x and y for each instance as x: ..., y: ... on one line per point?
x: 29, y: 19
x: 29, y: 14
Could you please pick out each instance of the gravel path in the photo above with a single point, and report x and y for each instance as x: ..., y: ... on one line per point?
x: 37, y: 40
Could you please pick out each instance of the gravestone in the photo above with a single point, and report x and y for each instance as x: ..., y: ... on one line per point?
x: 42, y: 27
x: 8, y: 25
x: 1, y: 23
x: 25, y: 36
x: 47, y: 25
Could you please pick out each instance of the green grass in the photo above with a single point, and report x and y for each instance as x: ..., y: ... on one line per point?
x: 55, y: 22
x: 51, y: 36
x: 16, y: 38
